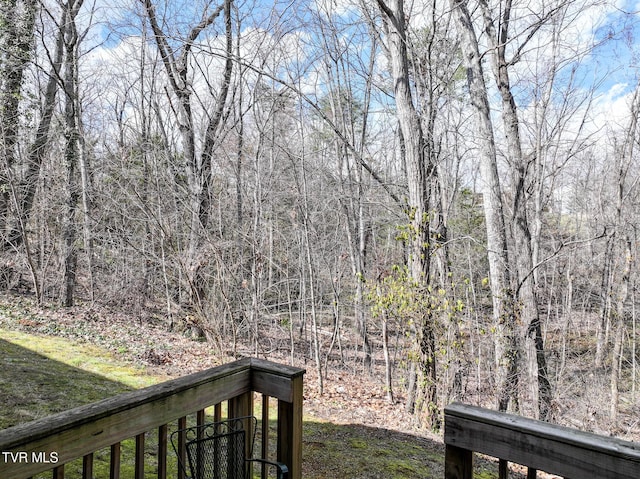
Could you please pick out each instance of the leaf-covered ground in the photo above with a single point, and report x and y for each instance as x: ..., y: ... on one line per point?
x: 61, y: 358
x: 58, y: 358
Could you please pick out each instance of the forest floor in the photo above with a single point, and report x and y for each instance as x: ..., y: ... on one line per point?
x: 87, y: 353
x: 350, y: 430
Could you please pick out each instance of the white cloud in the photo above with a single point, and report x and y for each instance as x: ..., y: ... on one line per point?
x: 340, y: 8
x: 612, y: 110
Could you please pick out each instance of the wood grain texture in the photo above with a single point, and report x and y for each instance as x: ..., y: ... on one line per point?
x: 289, y: 442
x: 542, y: 446
x: 458, y: 463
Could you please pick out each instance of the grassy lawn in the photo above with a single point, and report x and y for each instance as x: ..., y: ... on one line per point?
x: 47, y: 374
x: 44, y: 375
x: 360, y: 452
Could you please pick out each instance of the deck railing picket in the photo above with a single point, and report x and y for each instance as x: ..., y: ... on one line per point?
x: 58, y: 472
x: 503, y: 469
x: 201, y: 417
x: 182, y: 448
x: 163, y: 432
x: 139, y: 457
x: 87, y: 466
x: 264, y: 446
x: 114, y: 461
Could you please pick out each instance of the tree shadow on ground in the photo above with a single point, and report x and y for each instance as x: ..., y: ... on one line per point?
x: 355, y: 451
x: 34, y: 386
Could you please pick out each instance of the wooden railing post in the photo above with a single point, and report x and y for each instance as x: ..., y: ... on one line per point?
x: 458, y: 463
x: 290, y: 431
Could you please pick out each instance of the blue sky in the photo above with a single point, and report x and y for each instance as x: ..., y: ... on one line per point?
x: 612, y: 66
x: 618, y: 54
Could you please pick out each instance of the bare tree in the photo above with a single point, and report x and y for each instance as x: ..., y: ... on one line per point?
x: 620, y: 251
x: 499, y: 34
x: 73, y: 149
x: 418, y: 170
x: 347, y: 105
x: 199, y: 157
x: 505, y: 316
x: 38, y: 148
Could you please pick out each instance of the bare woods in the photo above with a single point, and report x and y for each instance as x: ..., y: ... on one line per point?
x: 433, y: 193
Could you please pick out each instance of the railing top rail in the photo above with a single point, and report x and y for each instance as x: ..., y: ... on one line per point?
x: 549, y: 447
x: 278, y: 369
x: 128, y: 400
x: 543, y: 430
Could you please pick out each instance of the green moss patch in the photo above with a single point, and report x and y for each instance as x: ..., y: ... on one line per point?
x: 355, y: 451
x: 44, y: 375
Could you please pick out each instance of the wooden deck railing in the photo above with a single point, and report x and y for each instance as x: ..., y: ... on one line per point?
x: 537, y: 445
x: 48, y: 444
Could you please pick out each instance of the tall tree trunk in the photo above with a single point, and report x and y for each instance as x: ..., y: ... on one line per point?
x: 619, y: 320
x: 311, y: 270
x: 388, y: 378
x: 418, y: 172
x: 525, y: 293
x: 606, y: 286
x: 37, y: 151
x: 504, y: 313
x: 86, y: 200
x: 72, y: 151
x: 16, y: 40
x: 16, y: 44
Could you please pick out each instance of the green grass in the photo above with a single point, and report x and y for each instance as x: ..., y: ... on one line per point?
x: 48, y: 374
x: 45, y: 375
x: 356, y: 451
